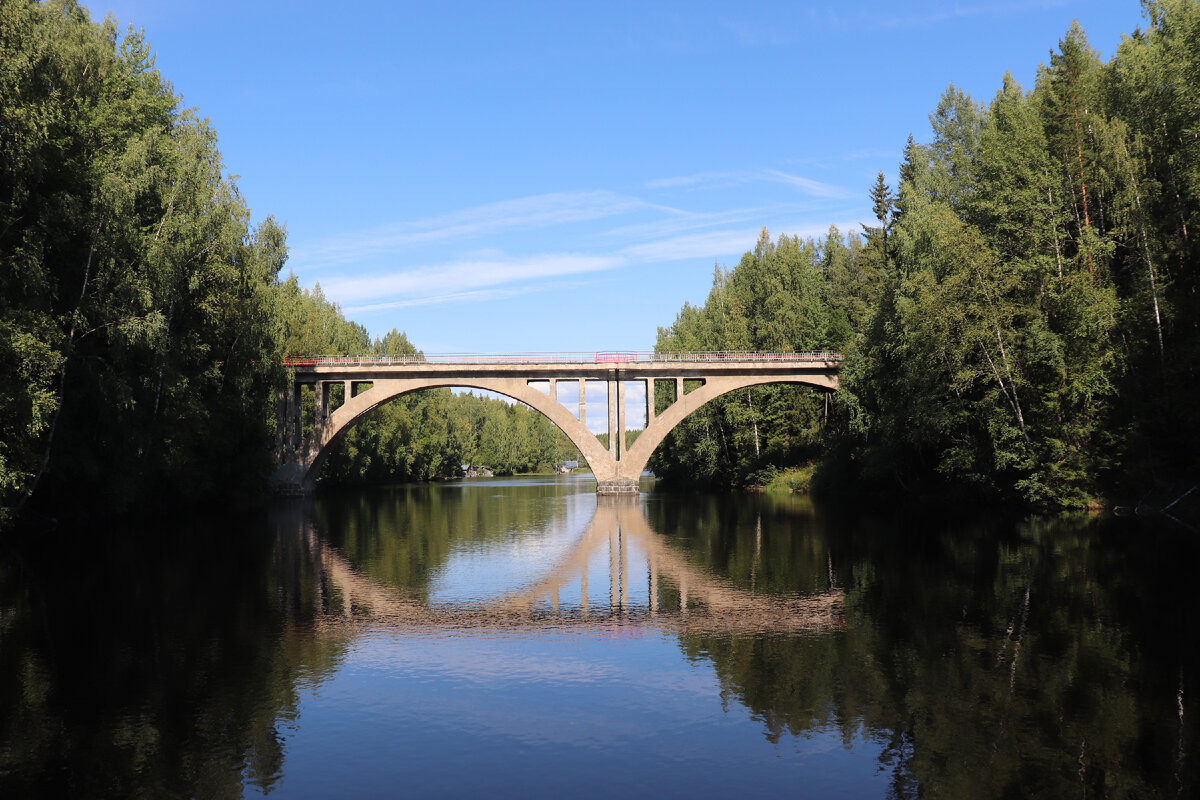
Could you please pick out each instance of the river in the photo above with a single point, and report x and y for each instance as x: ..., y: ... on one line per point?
x: 521, y: 637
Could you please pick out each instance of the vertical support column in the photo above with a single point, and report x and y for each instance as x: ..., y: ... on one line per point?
x: 621, y: 423
x: 557, y: 458
x: 583, y: 402
x: 678, y: 389
x: 298, y: 418
x: 612, y: 415
x: 293, y: 416
x: 286, y: 399
x: 348, y: 393
x: 281, y: 423
x: 321, y: 403
x: 649, y: 401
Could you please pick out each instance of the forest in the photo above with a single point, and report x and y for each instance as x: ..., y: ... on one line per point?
x: 144, y: 320
x: 1020, y: 323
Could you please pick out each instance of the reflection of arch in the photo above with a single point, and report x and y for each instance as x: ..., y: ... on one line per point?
x: 616, y: 467
x: 705, y: 602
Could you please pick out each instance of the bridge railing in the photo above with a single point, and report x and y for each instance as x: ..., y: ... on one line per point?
x: 606, y: 357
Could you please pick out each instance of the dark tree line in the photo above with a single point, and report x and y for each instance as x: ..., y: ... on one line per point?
x: 136, y: 300
x: 1024, y: 319
x: 142, y: 316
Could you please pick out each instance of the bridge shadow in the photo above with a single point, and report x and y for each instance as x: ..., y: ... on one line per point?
x: 678, y: 597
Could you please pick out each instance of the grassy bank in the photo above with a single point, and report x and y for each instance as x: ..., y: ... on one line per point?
x: 792, y: 480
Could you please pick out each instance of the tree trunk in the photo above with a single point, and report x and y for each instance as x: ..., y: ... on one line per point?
x: 1137, y: 198
x: 62, y: 376
x: 753, y: 422
x: 1054, y: 227
x: 1012, y: 399
x: 1082, y: 181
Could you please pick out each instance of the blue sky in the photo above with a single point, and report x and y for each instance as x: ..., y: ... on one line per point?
x: 533, y: 177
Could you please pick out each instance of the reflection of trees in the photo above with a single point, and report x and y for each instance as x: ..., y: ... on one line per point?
x: 162, y: 672
x: 1043, y: 664
x: 401, y: 535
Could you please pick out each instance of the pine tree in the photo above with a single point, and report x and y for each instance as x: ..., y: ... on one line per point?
x: 883, y: 204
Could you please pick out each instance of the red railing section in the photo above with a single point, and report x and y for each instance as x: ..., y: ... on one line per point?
x: 609, y: 356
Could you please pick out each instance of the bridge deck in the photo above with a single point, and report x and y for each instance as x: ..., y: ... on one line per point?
x: 534, y: 365
x: 609, y: 358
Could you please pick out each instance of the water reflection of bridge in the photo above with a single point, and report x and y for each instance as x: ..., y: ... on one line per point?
x: 681, y: 597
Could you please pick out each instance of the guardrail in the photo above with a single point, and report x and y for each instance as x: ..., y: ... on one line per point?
x: 610, y: 356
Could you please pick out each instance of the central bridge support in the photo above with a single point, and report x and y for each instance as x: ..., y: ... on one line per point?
x: 617, y: 467
x: 618, y: 486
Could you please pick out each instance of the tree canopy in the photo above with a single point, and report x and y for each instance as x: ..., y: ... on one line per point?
x: 1023, y: 321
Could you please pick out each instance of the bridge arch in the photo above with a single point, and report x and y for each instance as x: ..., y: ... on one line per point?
x: 657, y: 429
x: 333, y: 426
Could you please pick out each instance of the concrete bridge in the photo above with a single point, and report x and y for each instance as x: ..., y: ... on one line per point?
x: 689, y: 379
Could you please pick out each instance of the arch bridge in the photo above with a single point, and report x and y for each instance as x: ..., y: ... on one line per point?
x: 689, y: 379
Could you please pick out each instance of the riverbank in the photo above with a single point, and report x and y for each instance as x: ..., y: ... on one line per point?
x: 792, y: 480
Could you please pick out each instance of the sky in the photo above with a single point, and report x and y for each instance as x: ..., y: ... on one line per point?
x: 562, y: 177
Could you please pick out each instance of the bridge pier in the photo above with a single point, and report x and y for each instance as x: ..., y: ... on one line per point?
x: 617, y: 487
x: 612, y: 418
x: 292, y: 479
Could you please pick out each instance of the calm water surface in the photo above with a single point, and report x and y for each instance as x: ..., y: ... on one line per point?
x: 520, y: 637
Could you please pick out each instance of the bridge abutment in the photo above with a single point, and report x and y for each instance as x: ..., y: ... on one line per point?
x: 292, y: 479
x: 617, y: 487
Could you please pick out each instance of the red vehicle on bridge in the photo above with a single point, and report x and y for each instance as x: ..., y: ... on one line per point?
x: 615, y: 355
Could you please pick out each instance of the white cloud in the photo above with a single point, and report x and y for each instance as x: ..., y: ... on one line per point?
x: 809, y: 186
x: 720, y: 180
x: 498, y: 278
x: 539, y: 211
x: 882, y: 155
x: 731, y: 241
x: 479, y: 271
x: 481, y: 295
x: 463, y: 276
x: 703, y: 180
x: 712, y: 244
x: 680, y: 223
